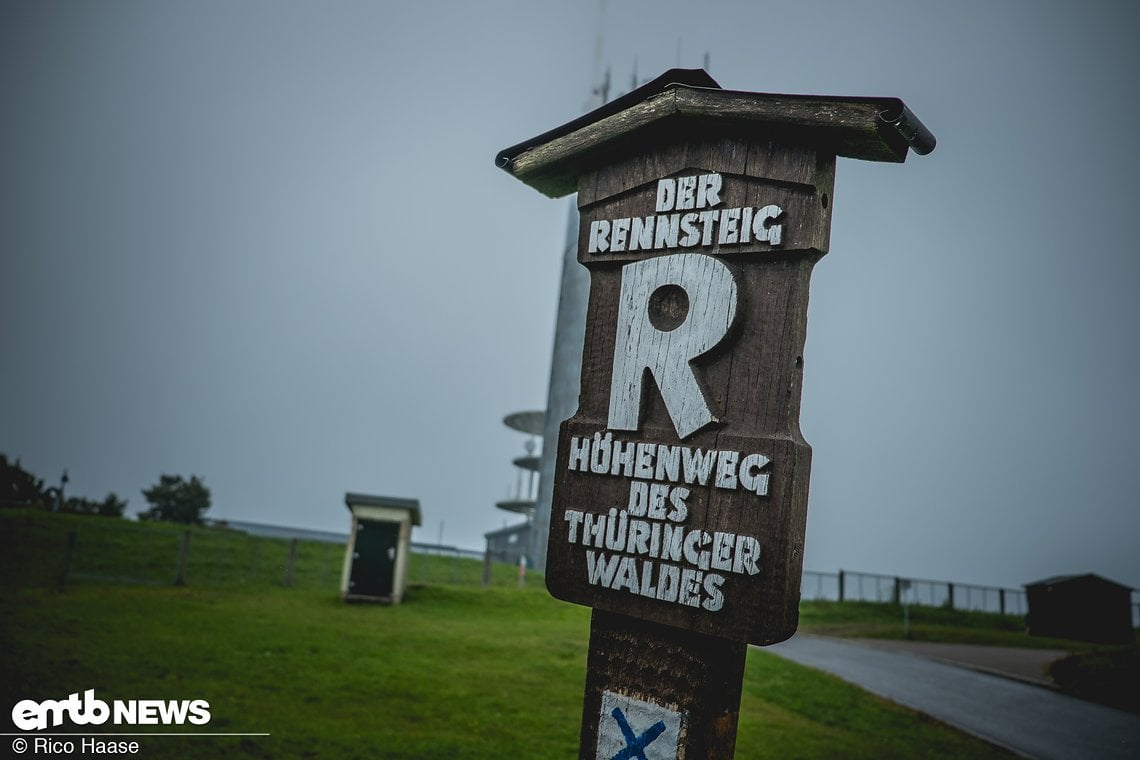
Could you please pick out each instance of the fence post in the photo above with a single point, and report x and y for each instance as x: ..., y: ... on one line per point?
x: 291, y: 562
x: 68, y: 559
x: 256, y: 543
x: 486, y: 568
x: 324, y: 568
x: 841, y: 576
x: 896, y: 595
x: 950, y: 595
x: 1001, y: 600
x: 328, y: 561
x: 183, y: 558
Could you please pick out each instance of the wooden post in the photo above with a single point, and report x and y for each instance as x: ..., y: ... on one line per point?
x: 253, y: 555
x: 291, y: 562
x: 841, y: 585
x: 1001, y: 600
x: 681, y: 482
x: 653, y: 673
x: 68, y: 559
x: 183, y: 559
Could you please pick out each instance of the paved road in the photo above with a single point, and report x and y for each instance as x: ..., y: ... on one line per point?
x: 1029, y: 720
x: 1030, y: 665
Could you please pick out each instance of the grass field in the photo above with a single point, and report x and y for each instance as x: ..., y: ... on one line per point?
x: 458, y: 671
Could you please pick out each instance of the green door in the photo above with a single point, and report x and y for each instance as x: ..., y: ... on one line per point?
x: 374, y: 558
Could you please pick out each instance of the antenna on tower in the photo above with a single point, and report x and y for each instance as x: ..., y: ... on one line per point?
x: 600, y: 92
x: 603, y: 90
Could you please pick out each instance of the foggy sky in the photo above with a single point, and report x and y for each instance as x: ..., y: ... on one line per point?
x: 266, y: 243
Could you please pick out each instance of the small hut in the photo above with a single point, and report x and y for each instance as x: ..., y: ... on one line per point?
x: 1080, y: 607
x: 376, y: 558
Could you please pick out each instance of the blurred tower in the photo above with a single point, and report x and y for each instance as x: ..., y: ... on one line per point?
x: 510, y: 542
x: 565, y: 375
x: 569, y: 328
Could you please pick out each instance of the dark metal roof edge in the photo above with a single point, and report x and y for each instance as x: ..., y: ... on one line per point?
x: 696, y: 78
x: 507, y: 530
x: 1054, y: 580
x: 921, y: 140
x: 892, y: 112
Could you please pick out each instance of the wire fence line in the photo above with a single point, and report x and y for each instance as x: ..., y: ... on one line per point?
x: 154, y: 554
x: 870, y: 587
x: 111, y: 551
x: 848, y: 586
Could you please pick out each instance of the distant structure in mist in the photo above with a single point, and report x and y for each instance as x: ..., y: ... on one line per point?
x: 513, y: 542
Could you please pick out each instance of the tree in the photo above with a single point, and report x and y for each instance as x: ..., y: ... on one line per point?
x: 18, y: 487
x: 112, y: 506
x: 173, y: 499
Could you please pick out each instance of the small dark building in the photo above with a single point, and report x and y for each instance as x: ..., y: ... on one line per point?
x: 1080, y: 607
x: 511, y: 543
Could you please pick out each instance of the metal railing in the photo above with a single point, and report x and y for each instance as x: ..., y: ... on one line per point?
x: 846, y: 585
x: 850, y: 586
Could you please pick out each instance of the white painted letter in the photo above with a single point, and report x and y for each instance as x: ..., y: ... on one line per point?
x: 708, y: 192
x: 711, y: 290
x: 750, y: 475
x: 666, y: 194
x: 599, y: 236
x: 686, y: 193
x: 764, y: 228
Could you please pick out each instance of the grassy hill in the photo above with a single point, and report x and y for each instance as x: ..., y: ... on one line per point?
x: 885, y: 621
x: 458, y: 671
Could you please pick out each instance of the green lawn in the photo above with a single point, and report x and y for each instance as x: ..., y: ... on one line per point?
x: 885, y: 621
x: 457, y: 671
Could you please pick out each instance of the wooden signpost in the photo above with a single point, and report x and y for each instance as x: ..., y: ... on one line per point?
x: 680, y: 492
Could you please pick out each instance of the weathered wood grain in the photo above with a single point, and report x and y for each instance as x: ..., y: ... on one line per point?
x: 700, y: 676
x: 848, y: 127
x: 751, y: 383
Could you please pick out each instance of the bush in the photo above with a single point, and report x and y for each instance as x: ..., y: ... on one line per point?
x: 1109, y: 676
x: 111, y: 506
x: 173, y: 499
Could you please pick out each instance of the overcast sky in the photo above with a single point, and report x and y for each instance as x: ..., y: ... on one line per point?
x: 265, y: 243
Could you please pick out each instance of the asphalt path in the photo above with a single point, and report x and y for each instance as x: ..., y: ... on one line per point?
x: 1029, y: 720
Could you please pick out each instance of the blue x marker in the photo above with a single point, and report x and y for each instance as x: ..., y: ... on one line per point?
x: 635, y: 745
